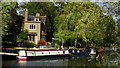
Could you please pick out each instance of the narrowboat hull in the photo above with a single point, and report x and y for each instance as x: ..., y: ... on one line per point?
x: 79, y: 52
x: 47, y: 52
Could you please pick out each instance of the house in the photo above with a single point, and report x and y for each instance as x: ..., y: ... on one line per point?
x: 35, y: 26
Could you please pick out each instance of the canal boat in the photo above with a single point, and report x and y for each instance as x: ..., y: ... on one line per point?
x: 46, y: 50
x: 82, y: 51
x: 79, y: 51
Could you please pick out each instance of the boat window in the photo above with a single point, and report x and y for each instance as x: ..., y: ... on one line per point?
x: 63, y: 52
x: 80, y: 50
x: 48, y: 46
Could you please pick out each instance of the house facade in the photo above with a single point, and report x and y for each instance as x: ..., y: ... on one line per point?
x: 35, y: 26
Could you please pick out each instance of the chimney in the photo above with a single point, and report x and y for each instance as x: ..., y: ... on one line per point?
x: 37, y: 14
x: 26, y: 14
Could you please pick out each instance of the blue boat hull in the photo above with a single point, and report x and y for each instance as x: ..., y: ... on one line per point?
x: 79, y: 52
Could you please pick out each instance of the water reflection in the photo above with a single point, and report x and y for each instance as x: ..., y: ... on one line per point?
x: 45, y: 62
x: 108, y: 59
x: 22, y: 63
x: 101, y: 59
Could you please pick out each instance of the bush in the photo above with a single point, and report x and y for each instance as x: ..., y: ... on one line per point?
x: 53, y: 44
x: 57, y: 46
x: 29, y: 44
x: 23, y: 36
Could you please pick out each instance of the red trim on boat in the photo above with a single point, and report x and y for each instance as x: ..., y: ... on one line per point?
x: 9, y: 49
x: 21, y: 59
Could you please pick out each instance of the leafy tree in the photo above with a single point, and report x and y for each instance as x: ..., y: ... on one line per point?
x: 85, y: 22
x: 113, y: 8
x: 10, y: 22
x: 22, y: 37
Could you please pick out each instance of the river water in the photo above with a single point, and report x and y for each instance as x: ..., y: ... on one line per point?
x: 107, y: 59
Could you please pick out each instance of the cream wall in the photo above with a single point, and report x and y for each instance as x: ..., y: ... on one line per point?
x: 37, y: 30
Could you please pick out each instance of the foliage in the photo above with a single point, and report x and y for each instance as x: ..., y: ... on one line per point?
x: 53, y: 44
x: 11, y: 22
x: 8, y: 11
x: 28, y: 44
x: 118, y: 35
x: 22, y: 37
x: 57, y: 46
x: 85, y: 22
x: 112, y: 8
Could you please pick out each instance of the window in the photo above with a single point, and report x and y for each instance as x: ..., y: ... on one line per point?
x: 36, y: 19
x: 32, y: 26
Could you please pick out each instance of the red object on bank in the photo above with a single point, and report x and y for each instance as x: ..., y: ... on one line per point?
x: 100, y: 49
x: 43, y: 42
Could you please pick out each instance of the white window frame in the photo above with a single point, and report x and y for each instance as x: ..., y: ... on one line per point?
x: 32, y: 27
x: 36, y: 19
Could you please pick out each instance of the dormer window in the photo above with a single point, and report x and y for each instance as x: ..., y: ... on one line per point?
x: 32, y: 26
x: 36, y: 19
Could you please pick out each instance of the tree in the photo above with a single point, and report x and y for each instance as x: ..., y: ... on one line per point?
x: 22, y: 37
x: 113, y: 8
x: 10, y: 22
x: 85, y: 22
